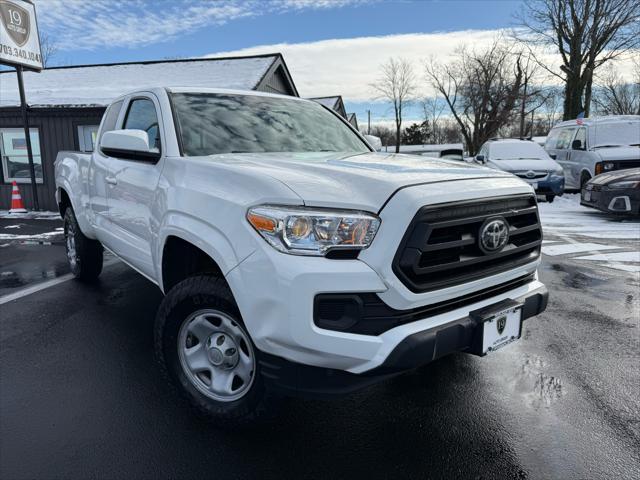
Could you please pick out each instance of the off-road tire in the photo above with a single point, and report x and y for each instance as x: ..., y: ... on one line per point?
x: 191, y: 295
x: 87, y: 252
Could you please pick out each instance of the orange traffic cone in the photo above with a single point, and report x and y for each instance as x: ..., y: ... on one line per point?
x: 16, y: 200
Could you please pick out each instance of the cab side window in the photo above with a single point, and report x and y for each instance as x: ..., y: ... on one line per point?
x: 142, y: 116
x: 582, y: 136
x: 565, y: 138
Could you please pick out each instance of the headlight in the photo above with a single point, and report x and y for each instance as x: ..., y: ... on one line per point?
x: 559, y: 172
x: 308, y: 231
x: 624, y: 184
x: 604, y: 167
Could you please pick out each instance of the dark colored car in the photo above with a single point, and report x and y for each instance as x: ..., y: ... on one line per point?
x: 616, y: 192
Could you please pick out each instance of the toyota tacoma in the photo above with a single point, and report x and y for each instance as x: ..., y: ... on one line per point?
x: 294, y: 259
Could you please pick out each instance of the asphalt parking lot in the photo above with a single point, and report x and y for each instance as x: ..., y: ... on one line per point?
x: 80, y: 395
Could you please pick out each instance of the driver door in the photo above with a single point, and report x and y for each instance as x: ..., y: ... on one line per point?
x: 132, y: 188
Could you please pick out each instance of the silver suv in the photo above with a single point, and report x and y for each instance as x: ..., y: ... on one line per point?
x: 586, y: 148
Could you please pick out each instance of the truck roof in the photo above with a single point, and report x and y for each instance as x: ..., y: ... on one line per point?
x: 229, y: 91
x: 599, y: 120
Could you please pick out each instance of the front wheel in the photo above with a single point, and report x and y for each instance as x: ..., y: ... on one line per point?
x: 207, y: 354
x: 550, y: 198
x: 84, y: 255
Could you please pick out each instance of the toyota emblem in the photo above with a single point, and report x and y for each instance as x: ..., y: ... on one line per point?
x: 494, y: 235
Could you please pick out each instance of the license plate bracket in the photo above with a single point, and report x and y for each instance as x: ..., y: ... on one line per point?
x: 497, y: 326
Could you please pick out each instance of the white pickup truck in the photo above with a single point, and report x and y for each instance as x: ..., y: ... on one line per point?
x: 293, y: 258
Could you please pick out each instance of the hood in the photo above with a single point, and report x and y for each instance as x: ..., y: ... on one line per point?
x: 619, y: 153
x: 541, y: 164
x: 605, y: 178
x: 362, y: 181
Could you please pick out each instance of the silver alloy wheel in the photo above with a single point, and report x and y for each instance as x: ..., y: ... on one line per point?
x: 216, y: 355
x: 71, y: 245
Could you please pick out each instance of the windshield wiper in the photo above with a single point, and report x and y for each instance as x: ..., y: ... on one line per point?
x: 607, y: 146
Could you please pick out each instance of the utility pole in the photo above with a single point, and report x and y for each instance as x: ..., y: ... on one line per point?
x: 27, y: 136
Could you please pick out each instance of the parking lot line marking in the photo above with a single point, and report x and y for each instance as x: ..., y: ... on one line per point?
x: 35, y: 288
x: 44, y: 285
x: 575, y: 247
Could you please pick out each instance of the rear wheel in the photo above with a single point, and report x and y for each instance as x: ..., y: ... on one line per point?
x: 84, y: 255
x: 550, y: 198
x: 207, y: 353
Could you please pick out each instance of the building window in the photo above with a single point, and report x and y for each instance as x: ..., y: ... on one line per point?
x: 87, y: 135
x: 15, y: 161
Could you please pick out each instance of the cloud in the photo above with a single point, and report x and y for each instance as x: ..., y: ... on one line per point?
x: 348, y: 66
x: 91, y: 24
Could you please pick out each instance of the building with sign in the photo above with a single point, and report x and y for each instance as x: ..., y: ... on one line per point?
x: 66, y: 105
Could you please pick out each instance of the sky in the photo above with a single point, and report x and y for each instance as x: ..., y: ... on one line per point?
x: 330, y: 46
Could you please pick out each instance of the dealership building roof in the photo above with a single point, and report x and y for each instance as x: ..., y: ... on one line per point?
x: 334, y: 103
x: 98, y: 85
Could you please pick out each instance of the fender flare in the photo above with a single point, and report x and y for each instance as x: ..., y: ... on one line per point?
x: 81, y: 218
x: 584, y: 170
x: 182, y: 226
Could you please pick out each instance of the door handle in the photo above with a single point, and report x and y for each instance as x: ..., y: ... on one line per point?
x: 111, y: 180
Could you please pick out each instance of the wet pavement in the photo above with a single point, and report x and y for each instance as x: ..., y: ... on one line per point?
x: 31, y: 251
x: 81, y: 397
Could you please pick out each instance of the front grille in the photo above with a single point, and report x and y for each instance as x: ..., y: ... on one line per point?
x: 440, y: 248
x: 625, y: 164
x: 536, y: 175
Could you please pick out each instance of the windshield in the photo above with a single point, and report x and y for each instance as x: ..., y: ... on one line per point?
x: 517, y: 151
x: 222, y: 123
x: 616, y: 134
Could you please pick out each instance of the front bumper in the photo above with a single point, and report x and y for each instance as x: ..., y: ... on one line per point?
x: 621, y: 201
x: 553, y: 185
x: 414, y: 351
x: 275, y: 292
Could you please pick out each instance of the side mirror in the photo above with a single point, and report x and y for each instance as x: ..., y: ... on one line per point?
x: 480, y: 159
x: 374, y: 141
x: 576, y: 145
x: 129, y: 144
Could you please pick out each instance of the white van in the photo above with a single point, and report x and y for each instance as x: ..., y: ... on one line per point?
x: 593, y: 146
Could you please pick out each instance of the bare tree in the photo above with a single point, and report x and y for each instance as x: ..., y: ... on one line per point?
x: 586, y: 34
x: 432, y: 108
x: 552, y: 108
x: 615, y: 96
x: 532, y: 96
x: 481, y: 89
x: 397, y: 84
x: 48, y: 47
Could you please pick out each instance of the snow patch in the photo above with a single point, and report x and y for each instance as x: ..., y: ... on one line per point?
x: 575, y: 248
x: 30, y: 215
x: 87, y: 85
